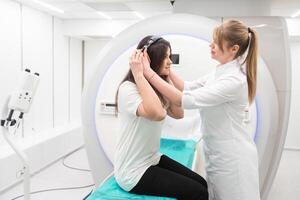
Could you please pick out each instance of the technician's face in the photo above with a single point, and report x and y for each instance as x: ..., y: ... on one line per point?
x: 166, y: 65
x: 224, y: 56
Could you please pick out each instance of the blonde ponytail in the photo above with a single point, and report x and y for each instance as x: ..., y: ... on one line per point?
x: 251, y: 65
x: 234, y: 32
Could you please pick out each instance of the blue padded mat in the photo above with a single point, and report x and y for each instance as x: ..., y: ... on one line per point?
x: 179, y: 150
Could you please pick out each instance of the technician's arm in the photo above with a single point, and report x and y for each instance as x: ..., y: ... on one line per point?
x: 151, y: 107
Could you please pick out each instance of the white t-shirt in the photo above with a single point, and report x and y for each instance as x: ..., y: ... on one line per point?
x: 138, y: 139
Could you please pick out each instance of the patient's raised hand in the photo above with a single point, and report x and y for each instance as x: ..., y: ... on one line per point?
x: 148, y: 72
x: 136, y: 64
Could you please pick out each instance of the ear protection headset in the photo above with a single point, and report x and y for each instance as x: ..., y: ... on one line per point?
x: 150, y: 42
x: 153, y: 40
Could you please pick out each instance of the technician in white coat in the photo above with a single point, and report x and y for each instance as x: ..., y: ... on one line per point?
x: 221, y: 97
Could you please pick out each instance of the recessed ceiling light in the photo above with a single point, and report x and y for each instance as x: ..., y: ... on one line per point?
x: 138, y: 15
x: 296, y: 14
x: 53, y: 8
x: 104, y: 15
x: 259, y: 25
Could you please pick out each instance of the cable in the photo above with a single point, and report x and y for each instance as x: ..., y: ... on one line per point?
x: 67, y: 188
x: 54, y: 189
x: 291, y: 148
x: 75, y: 168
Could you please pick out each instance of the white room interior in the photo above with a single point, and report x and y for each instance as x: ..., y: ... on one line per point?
x: 63, y: 46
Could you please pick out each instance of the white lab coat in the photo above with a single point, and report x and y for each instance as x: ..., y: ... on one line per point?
x: 230, y: 152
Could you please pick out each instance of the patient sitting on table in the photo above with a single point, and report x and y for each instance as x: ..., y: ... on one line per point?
x: 139, y: 167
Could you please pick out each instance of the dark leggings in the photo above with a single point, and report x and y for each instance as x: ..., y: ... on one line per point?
x: 171, y: 179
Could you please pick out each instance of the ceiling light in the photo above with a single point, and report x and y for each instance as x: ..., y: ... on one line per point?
x: 139, y: 15
x: 48, y: 6
x: 296, y: 14
x: 104, y: 15
x: 259, y: 25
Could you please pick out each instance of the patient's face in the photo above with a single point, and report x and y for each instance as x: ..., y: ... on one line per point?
x: 166, y: 65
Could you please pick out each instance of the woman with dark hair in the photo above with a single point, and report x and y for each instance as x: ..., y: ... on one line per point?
x: 139, y: 167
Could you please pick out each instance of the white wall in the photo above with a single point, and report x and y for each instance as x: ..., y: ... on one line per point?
x: 10, y: 49
x: 61, y: 73
x: 75, y: 80
x: 37, y: 44
x: 36, y: 40
x: 293, y: 26
x: 91, y: 50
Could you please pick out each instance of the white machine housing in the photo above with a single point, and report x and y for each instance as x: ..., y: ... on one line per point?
x: 273, y: 88
x: 22, y: 98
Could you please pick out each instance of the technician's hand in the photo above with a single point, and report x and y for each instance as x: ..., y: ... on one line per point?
x: 148, y: 72
x: 136, y: 64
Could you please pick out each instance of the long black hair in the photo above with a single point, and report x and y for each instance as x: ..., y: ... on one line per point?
x: 157, y: 53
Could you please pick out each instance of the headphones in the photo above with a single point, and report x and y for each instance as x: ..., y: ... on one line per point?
x: 154, y: 39
x: 150, y: 42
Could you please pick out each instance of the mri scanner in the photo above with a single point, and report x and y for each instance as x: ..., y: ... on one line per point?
x: 268, y: 116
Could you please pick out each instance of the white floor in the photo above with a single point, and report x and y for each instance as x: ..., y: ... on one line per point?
x: 58, y: 176
x: 285, y: 187
x: 287, y: 182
